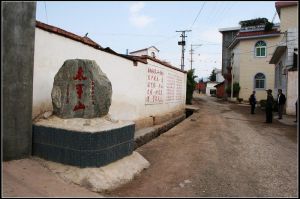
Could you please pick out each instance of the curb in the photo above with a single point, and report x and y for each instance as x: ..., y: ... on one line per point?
x: 145, y: 135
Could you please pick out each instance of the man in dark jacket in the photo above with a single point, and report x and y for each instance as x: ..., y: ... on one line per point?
x: 280, y: 101
x: 252, y: 101
x: 269, y: 106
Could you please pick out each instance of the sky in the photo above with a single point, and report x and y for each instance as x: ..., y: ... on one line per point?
x: 135, y: 25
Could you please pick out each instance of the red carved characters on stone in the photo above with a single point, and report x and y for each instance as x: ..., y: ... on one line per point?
x: 79, y: 89
x: 79, y: 75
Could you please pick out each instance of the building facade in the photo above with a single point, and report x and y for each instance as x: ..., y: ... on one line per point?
x: 285, y: 56
x: 228, y: 35
x: 249, y: 54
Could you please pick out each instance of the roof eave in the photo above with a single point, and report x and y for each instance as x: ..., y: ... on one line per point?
x: 277, y: 54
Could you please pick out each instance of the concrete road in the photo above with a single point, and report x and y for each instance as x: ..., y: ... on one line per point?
x: 221, y: 151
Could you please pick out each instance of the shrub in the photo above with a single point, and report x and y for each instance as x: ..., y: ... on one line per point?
x: 190, y: 86
x: 236, y: 89
x: 240, y: 99
x: 263, y: 105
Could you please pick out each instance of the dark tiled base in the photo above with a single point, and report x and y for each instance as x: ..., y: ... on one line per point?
x: 82, y: 149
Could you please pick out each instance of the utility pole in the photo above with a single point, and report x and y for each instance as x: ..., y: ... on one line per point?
x: 191, y: 51
x: 232, y: 56
x: 182, y: 44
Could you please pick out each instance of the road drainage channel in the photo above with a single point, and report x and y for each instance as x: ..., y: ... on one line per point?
x: 143, y: 136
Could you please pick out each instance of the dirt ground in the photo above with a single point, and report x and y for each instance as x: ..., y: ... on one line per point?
x: 221, y: 151
x: 28, y: 178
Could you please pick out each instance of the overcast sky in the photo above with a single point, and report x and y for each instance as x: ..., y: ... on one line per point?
x: 136, y: 25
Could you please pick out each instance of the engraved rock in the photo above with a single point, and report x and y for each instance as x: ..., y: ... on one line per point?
x: 81, y: 90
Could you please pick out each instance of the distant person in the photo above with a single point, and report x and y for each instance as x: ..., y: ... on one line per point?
x: 269, y: 106
x: 252, y: 101
x: 281, y: 101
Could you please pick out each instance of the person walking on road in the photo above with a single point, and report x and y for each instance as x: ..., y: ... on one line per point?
x: 269, y: 106
x: 281, y: 101
x: 252, y: 101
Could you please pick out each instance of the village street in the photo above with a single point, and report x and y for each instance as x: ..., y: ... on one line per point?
x: 220, y: 151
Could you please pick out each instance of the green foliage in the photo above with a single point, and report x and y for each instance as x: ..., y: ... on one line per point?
x: 236, y: 89
x: 264, y: 102
x: 269, y: 26
x: 212, y: 76
x: 254, y: 22
x: 190, y: 86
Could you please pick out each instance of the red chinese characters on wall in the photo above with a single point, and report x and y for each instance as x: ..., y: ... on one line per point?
x: 155, y: 85
x: 170, y: 87
x: 79, y: 88
x: 174, y: 86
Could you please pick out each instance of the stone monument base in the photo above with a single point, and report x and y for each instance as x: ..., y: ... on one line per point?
x: 103, y: 178
x: 82, y: 142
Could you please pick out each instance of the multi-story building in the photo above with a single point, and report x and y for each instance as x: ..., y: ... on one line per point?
x: 228, y: 34
x: 247, y: 58
x: 285, y: 55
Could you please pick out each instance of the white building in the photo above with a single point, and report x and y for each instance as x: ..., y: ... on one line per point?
x: 211, y: 89
x: 219, y: 76
x: 136, y: 96
x: 285, y: 55
x: 152, y: 51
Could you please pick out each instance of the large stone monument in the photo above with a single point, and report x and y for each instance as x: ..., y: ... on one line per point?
x: 81, y: 90
x: 80, y: 133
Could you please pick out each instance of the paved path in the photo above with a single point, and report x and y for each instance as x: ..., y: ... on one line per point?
x: 221, y: 151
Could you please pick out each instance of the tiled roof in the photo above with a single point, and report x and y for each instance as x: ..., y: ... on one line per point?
x: 67, y: 34
x: 257, y: 33
x: 281, y: 4
x: 85, y: 40
x: 162, y: 62
x: 253, y: 34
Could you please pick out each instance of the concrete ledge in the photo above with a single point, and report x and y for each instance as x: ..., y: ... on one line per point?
x: 145, y: 135
x: 103, y: 178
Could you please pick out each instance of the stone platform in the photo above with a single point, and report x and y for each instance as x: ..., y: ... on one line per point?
x: 82, y: 142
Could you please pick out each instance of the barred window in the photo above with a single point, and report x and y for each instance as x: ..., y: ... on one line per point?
x: 259, y: 80
x: 260, y: 49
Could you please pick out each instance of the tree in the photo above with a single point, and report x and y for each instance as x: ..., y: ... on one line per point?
x: 190, y: 86
x: 236, y: 89
x: 212, y: 76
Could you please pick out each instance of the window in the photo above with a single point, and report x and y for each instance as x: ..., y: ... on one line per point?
x: 260, y: 49
x: 259, y: 80
x: 153, y: 54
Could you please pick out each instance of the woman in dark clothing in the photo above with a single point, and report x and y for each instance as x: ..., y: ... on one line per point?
x: 269, y: 106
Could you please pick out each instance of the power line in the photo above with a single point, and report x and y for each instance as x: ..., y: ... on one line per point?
x: 46, y: 11
x: 198, y: 14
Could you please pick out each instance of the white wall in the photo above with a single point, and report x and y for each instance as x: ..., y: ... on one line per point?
x: 292, y: 92
x: 210, y: 86
x: 129, y: 82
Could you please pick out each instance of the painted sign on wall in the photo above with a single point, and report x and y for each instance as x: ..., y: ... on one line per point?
x: 162, y: 86
x: 155, y: 85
